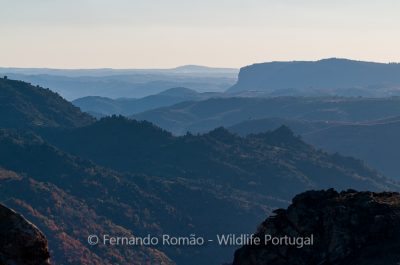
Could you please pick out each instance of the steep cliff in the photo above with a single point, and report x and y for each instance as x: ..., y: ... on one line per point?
x: 331, y: 76
x: 357, y: 228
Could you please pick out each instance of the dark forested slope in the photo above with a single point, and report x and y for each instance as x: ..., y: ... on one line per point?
x: 23, y: 106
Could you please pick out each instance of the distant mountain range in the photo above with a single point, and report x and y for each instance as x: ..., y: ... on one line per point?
x: 129, y: 83
x: 324, y: 78
x: 100, y: 106
x: 190, y: 69
x: 337, y: 77
x: 126, y: 177
x: 327, y: 77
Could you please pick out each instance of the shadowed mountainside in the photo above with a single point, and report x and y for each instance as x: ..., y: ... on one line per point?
x: 70, y: 199
x: 23, y: 105
x: 265, y: 161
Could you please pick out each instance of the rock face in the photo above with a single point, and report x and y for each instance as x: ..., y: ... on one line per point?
x: 21, y: 243
x: 349, y: 228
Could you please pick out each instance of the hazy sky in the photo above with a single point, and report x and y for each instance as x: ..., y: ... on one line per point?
x: 168, y: 33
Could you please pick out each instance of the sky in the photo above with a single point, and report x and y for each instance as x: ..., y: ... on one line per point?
x: 217, y: 33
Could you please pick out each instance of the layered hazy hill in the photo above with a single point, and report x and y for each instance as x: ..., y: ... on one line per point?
x: 202, y: 116
x: 328, y: 77
x: 364, y: 128
x: 325, y: 77
x: 100, y: 106
x: 375, y: 141
x: 125, y: 177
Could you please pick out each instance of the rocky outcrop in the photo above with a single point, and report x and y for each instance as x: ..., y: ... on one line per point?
x: 347, y: 228
x: 21, y: 243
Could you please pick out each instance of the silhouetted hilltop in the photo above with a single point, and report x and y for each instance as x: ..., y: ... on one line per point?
x: 348, y: 228
x: 325, y: 77
x: 23, y: 105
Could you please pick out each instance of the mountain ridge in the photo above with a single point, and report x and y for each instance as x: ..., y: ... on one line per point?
x: 202, y: 116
